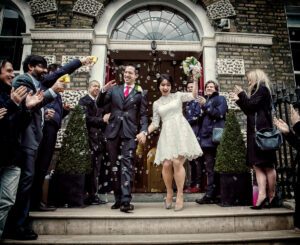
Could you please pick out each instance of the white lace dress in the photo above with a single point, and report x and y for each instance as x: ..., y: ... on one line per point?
x: 176, y: 137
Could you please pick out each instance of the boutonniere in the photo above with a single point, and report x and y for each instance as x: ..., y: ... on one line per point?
x: 138, y: 88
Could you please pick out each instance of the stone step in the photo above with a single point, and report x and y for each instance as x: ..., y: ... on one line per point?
x: 258, y: 237
x: 152, y: 218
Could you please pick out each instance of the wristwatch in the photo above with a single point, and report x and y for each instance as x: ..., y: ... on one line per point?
x: 145, y: 133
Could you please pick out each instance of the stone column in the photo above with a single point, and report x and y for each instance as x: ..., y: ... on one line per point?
x: 209, y: 63
x: 27, y: 42
x: 98, y: 70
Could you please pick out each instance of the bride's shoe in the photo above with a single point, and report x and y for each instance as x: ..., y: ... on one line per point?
x: 179, y: 204
x: 168, y: 205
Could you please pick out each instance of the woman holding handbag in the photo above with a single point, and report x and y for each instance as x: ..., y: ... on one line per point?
x: 257, y: 105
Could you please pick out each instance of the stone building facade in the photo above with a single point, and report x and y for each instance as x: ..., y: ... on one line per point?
x: 234, y: 35
x: 230, y: 37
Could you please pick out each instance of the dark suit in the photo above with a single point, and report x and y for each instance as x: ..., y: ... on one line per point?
x: 95, y: 126
x: 31, y: 137
x: 128, y: 118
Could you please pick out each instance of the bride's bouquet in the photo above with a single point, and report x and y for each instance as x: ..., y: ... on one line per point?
x: 191, y: 66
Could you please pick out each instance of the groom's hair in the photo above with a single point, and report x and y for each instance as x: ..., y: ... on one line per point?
x: 134, y: 66
x: 165, y: 77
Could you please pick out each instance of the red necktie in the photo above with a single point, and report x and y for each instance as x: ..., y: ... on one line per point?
x: 126, y: 92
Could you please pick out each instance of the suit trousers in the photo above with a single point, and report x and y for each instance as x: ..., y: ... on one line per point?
x: 209, y: 155
x: 19, y: 213
x: 45, y: 154
x: 9, y: 179
x: 121, y: 154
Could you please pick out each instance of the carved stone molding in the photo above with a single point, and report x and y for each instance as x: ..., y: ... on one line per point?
x: 67, y: 58
x: 62, y: 34
x: 89, y: 7
x: 233, y: 67
x: 42, y: 6
x: 220, y: 9
x: 51, y: 59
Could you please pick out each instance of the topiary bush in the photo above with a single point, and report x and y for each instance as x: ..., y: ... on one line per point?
x: 75, y: 155
x: 231, y: 153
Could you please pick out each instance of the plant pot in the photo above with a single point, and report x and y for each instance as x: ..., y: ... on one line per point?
x: 69, y: 190
x: 235, y: 189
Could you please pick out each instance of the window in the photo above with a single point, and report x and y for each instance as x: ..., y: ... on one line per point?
x: 293, y: 21
x: 155, y: 23
x: 11, y: 27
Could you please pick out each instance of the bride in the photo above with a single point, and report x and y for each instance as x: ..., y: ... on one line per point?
x: 177, y: 141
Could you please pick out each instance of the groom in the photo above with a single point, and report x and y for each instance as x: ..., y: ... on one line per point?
x: 127, y: 125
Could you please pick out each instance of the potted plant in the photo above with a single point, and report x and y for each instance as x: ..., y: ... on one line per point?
x: 235, y: 177
x: 74, y: 161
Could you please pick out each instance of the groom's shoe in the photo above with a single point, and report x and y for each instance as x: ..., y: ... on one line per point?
x: 126, y: 207
x: 116, y: 205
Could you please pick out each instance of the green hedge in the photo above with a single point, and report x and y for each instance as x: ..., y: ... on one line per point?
x: 75, y: 155
x: 231, y: 153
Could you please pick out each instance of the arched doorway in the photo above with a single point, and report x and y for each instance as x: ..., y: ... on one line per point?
x: 154, y: 23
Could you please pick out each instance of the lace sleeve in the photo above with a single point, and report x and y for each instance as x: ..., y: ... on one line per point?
x: 185, y: 96
x: 155, y: 117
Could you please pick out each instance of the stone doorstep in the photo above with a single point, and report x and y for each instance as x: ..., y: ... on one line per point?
x: 152, y: 218
x: 258, y: 237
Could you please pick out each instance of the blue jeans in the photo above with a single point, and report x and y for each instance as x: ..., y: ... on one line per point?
x: 9, y: 180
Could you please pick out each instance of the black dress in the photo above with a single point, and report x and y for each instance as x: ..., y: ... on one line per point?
x: 259, y: 104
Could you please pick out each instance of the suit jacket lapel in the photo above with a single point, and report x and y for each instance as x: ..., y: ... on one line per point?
x: 121, y: 91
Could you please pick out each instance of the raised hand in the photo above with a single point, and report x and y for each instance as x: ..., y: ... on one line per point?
x: 295, y: 117
x: 58, y: 86
x: 201, y: 100
x: 33, y: 99
x: 281, y: 125
x: 88, y: 60
x: 237, y: 89
x: 18, y: 95
x: 233, y: 96
x: 3, y: 111
x: 109, y: 85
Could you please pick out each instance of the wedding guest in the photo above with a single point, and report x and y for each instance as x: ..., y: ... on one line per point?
x: 35, y: 67
x: 177, y: 141
x: 294, y: 141
x: 11, y: 106
x: 96, y: 123
x: 256, y: 103
x: 214, y: 108
x: 192, y: 114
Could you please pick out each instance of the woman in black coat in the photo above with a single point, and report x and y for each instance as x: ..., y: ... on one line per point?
x: 294, y: 141
x: 257, y: 106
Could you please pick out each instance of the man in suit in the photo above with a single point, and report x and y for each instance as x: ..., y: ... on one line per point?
x: 54, y: 113
x: 95, y: 126
x: 35, y: 67
x: 127, y: 123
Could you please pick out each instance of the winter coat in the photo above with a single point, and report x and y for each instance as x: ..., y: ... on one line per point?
x: 192, y: 115
x: 10, y: 126
x: 259, y: 104
x: 212, y: 116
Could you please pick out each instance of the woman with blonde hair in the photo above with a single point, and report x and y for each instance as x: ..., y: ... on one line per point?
x: 257, y: 105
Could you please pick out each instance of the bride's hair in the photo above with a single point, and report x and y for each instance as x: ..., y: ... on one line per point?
x: 165, y: 77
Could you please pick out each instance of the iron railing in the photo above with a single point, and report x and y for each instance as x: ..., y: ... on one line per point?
x: 286, y: 164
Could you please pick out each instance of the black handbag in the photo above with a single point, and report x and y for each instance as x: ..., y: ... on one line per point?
x: 268, y: 139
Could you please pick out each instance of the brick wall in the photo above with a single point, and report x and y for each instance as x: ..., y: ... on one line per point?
x: 60, y: 48
x: 267, y: 17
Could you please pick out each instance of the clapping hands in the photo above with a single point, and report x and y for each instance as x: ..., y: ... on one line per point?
x: 3, y: 111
